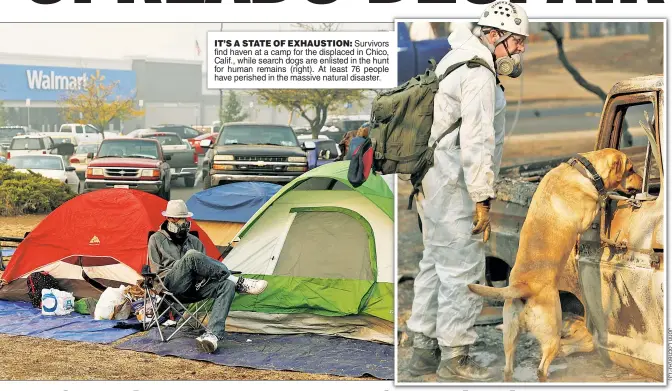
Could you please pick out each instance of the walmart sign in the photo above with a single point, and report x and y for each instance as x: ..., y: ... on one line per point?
x: 21, y: 82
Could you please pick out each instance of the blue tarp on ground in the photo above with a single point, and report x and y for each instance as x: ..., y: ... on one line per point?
x: 19, y: 318
x: 307, y: 353
x: 234, y: 202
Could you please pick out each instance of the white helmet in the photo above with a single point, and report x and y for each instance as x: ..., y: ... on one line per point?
x: 503, y: 15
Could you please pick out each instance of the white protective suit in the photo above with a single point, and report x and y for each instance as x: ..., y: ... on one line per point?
x: 466, y: 163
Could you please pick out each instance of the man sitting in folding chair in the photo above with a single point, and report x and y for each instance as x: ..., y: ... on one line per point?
x: 179, y: 259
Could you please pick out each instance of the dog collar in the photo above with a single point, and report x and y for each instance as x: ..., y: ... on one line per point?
x: 587, y: 169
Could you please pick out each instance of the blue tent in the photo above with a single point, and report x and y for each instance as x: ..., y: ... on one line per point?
x: 234, y: 202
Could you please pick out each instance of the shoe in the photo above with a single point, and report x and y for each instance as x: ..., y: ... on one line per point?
x: 250, y: 286
x: 208, y: 342
x: 463, y: 368
x: 169, y: 323
x: 424, y: 361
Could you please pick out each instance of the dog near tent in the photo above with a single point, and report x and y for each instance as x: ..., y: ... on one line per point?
x: 100, y: 236
x: 326, y: 250
x: 222, y: 211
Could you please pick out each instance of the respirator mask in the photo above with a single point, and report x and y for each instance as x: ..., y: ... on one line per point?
x: 511, y: 65
x: 180, y: 228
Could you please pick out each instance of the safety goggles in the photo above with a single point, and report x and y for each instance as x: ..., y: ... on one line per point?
x: 518, y: 40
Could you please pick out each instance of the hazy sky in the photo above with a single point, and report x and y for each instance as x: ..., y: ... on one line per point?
x: 118, y: 40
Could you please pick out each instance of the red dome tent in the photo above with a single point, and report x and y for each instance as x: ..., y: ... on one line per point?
x: 103, y: 234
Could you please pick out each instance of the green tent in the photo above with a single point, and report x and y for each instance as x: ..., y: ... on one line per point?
x: 327, y: 251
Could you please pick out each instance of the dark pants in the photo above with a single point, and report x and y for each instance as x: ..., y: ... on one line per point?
x: 193, y: 268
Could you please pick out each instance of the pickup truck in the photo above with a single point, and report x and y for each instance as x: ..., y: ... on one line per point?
x: 83, y: 133
x: 413, y: 56
x: 253, y: 152
x: 183, y: 158
x: 129, y: 163
x: 617, y: 279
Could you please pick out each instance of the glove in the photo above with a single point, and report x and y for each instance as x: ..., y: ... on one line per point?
x: 482, y: 220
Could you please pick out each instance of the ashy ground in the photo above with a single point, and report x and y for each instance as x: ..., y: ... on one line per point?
x: 489, y: 349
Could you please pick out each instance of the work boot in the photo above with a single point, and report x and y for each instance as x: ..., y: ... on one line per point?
x: 250, y: 286
x: 424, y: 361
x: 463, y: 368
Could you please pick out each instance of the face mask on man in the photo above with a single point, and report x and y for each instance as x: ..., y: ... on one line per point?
x: 180, y: 228
x: 511, y: 65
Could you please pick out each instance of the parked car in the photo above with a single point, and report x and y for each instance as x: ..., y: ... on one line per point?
x: 304, y: 137
x: 80, y: 159
x: 129, y: 163
x: 346, y: 123
x: 31, y: 144
x: 7, y: 133
x: 203, y: 129
x: 413, y: 56
x: 617, y: 281
x: 196, y: 144
x: 50, y: 166
x: 183, y: 158
x: 82, y: 133
x: 326, y: 151
x: 254, y: 152
x: 183, y: 131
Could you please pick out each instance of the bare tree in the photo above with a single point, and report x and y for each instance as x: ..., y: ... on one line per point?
x: 557, y: 36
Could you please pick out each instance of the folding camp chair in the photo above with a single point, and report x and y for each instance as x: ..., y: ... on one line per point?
x: 162, y: 302
x: 165, y: 302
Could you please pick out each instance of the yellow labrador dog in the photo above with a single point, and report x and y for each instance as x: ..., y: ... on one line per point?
x: 562, y: 208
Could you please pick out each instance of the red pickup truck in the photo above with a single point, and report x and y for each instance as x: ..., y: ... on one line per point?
x: 129, y: 163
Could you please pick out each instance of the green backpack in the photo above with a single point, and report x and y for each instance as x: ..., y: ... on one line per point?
x: 401, y: 123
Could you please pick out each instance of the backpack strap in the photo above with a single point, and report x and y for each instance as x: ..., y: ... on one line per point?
x: 417, y: 177
x: 473, y: 63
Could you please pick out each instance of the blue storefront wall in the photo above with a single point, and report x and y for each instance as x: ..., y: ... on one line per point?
x: 38, y: 83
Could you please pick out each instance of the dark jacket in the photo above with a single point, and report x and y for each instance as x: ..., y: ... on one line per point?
x: 163, y: 252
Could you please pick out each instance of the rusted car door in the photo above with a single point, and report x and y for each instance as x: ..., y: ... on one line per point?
x: 623, y: 286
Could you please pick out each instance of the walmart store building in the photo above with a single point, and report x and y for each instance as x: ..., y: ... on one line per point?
x: 169, y: 91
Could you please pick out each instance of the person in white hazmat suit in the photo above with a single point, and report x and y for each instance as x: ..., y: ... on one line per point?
x: 457, y: 190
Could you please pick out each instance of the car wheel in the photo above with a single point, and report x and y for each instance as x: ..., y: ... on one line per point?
x: 207, y: 181
x: 189, y: 181
x: 167, y: 195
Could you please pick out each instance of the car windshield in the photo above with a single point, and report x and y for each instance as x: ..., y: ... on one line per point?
x: 167, y: 139
x: 86, y: 148
x: 19, y: 144
x: 8, y: 133
x: 129, y: 148
x: 257, y: 135
x: 36, y: 162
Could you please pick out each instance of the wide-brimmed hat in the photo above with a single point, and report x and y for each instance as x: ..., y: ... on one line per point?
x: 177, y: 209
